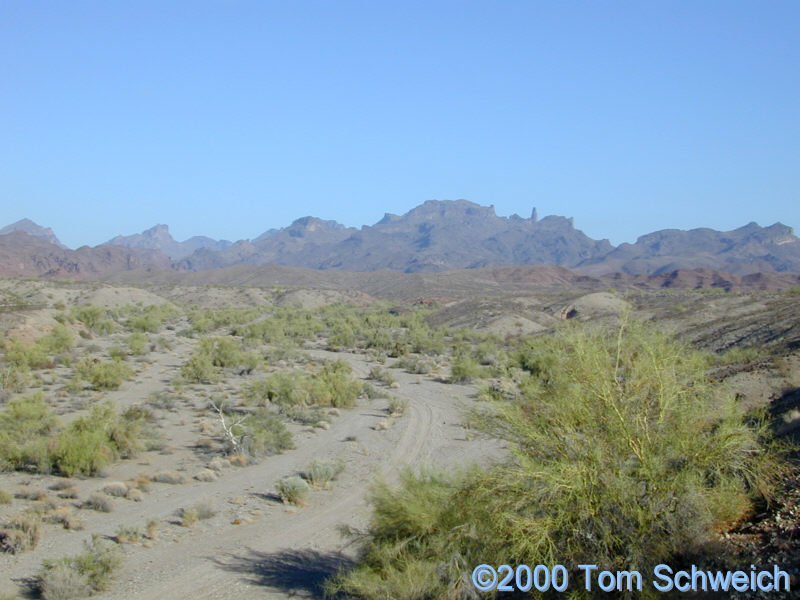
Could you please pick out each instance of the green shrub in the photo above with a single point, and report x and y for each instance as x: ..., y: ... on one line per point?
x: 137, y: 343
x: 26, y: 425
x: 464, y: 369
x: 321, y: 474
x: 382, y: 375
x: 623, y: 455
x: 93, y: 442
x: 103, y: 375
x: 293, y: 490
x: 151, y: 318
x: 397, y: 406
x: 263, y: 433
x: 333, y: 386
x: 95, y: 318
x: 200, y: 369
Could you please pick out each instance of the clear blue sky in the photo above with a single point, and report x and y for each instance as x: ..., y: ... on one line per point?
x: 227, y: 118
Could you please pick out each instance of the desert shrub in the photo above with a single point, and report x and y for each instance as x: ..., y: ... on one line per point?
x: 128, y: 535
x: 188, y: 517
x: 223, y: 351
x: 26, y: 355
x: 262, y: 433
x: 117, y: 352
x: 738, y: 355
x: 382, y: 375
x: 14, y: 378
x: 151, y: 318
x: 305, y: 415
x: 137, y: 343
x: 99, y: 502
x: 22, y: 533
x: 26, y: 425
x: 334, y: 386
x: 285, y: 388
x: 95, y: 318
x: 397, y: 406
x: 321, y: 474
x: 117, y: 489
x: 61, y: 582
x: 5, y: 497
x: 623, y: 453
x: 92, y: 442
x: 415, y: 365
x: 293, y: 490
x: 464, y: 369
x: 200, y: 369
x: 372, y: 392
x: 204, y: 509
x: 95, y: 567
x: 171, y: 477
x: 103, y: 375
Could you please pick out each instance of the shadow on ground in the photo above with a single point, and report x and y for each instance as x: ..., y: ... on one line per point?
x: 294, y: 572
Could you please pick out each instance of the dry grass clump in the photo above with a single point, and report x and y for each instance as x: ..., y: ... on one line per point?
x: 69, y: 493
x: 22, y: 533
x: 128, y: 535
x: 118, y: 489
x: 205, y: 475
x: 199, y: 512
x: 171, y: 477
x: 79, y: 576
x: 397, y: 407
x: 321, y: 474
x: 99, y: 502
x: 134, y: 495
x: 36, y: 495
x: 5, y: 497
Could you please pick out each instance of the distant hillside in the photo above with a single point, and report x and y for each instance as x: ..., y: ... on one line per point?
x: 749, y: 249
x: 31, y: 228
x: 25, y: 255
x: 159, y: 238
x: 436, y: 236
x: 456, y: 234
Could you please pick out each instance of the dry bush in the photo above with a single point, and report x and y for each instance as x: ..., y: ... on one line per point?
x: 205, y: 475
x: 117, y: 489
x: 171, y: 477
x: 22, y: 533
x: 135, y: 495
x: 99, y: 502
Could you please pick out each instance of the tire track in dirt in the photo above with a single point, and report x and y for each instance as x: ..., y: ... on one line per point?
x: 203, y: 565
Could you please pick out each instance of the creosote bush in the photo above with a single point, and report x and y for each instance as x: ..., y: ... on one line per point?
x: 624, y: 455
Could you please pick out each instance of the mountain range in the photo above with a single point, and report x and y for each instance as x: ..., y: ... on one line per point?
x: 435, y: 236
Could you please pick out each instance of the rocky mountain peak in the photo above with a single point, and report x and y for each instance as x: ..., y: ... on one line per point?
x: 34, y: 229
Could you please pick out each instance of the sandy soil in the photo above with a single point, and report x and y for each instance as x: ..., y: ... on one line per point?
x: 255, y: 546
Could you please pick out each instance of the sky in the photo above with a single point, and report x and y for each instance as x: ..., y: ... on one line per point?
x: 229, y: 117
